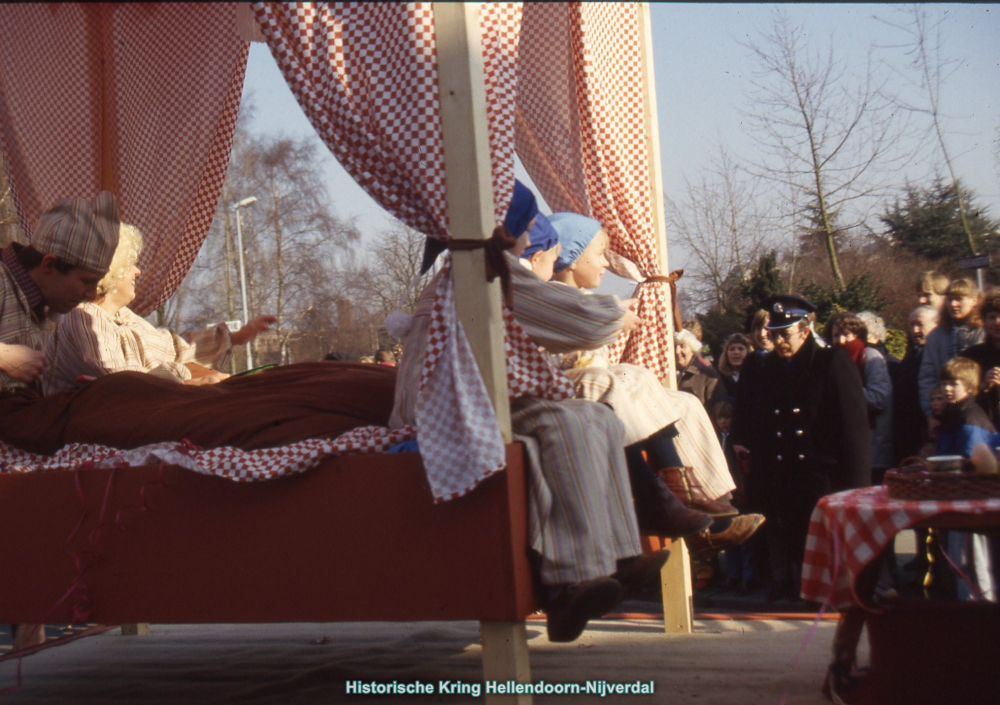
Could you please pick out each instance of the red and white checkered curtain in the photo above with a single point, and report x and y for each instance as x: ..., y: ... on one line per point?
x: 166, y: 77
x: 581, y: 137
x: 366, y: 76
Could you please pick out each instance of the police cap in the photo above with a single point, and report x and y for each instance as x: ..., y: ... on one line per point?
x: 786, y: 310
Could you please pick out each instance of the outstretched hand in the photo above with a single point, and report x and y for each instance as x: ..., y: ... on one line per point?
x: 632, y: 320
x: 252, y: 329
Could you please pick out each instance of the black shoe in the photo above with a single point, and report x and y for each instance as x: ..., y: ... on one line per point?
x: 577, y: 604
x: 637, y: 572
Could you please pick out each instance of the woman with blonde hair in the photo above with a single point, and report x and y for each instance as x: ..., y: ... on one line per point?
x: 960, y: 327
x: 105, y: 336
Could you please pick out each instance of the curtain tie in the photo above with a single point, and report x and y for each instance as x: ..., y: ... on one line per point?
x: 496, y: 264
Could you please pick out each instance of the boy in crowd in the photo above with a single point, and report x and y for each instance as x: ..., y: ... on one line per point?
x: 964, y: 424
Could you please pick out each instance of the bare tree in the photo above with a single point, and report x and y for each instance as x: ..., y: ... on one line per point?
x: 722, y: 223
x: 296, y: 250
x: 826, y: 134
x: 929, y: 69
x: 388, y: 280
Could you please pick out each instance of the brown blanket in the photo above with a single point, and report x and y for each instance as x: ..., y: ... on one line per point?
x: 271, y: 408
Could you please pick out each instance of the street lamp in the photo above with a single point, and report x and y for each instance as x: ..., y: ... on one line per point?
x: 243, y: 276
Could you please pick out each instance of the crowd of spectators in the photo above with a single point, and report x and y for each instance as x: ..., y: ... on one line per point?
x: 941, y: 397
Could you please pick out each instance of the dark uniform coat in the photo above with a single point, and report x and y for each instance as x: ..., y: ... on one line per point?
x: 814, y: 439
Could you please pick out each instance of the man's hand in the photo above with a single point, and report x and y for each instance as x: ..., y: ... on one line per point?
x: 741, y: 451
x: 21, y: 362
x: 252, y: 329
x: 991, y: 379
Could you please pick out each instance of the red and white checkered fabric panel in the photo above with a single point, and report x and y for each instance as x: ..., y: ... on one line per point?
x: 173, y: 83
x: 460, y: 440
x: 50, y: 103
x: 365, y: 75
x: 230, y: 463
x: 530, y: 372
x: 861, y: 523
x: 584, y: 143
x: 500, y: 24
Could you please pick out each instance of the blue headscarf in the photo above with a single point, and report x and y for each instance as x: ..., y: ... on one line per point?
x: 543, y: 237
x: 523, y: 207
x: 575, y: 233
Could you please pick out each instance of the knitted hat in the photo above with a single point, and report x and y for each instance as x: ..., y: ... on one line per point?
x: 79, y: 231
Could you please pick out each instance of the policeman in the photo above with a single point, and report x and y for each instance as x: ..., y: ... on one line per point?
x: 813, y: 423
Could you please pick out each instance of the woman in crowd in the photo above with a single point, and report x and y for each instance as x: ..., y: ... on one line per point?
x: 932, y: 290
x: 693, y: 375
x: 987, y: 355
x: 735, y: 351
x: 959, y: 328
x: 105, y: 336
x: 847, y: 331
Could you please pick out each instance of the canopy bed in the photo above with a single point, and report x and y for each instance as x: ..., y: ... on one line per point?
x: 425, y: 105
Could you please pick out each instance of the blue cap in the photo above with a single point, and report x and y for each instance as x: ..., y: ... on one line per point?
x: 575, y: 233
x: 543, y: 237
x: 523, y: 207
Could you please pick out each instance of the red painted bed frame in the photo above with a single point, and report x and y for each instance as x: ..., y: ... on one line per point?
x: 358, y: 538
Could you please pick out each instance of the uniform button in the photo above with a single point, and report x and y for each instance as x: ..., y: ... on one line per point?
x: 798, y: 432
x: 779, y: 458
x: 795, y: 411
x: 778, y: 434
x: 777, y: 412
x: 802, y: 457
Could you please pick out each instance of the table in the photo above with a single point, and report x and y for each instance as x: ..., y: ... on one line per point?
x: 849, y: 529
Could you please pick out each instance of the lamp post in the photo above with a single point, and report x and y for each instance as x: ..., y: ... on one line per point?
x: 243, y: 276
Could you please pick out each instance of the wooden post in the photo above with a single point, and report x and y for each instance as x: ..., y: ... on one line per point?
x: 137, y: 629
x: 676, y: 575
x: 469, y: 185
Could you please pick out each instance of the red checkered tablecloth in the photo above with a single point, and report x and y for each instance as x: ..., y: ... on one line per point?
x: 849, y: 529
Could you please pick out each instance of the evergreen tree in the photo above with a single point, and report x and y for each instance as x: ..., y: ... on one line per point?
x: 927, y: 221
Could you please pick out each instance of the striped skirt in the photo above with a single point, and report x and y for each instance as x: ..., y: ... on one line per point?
x: 581, y: 518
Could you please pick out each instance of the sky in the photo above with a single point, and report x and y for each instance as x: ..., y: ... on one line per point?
x: 702, y: 70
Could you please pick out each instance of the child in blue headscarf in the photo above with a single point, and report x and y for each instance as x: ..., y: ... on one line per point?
x: 646, y: 409
x: 543, y: 248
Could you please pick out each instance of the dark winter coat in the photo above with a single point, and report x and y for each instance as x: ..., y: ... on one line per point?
x: 988, y: 357
x: 815, y: 437
x: 909, y: 425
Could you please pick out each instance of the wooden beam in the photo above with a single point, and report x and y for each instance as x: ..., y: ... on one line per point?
x: 675, y: 585
x: 651, y: 127
x: 469, y: 185
x: 138, y: 629
x: 676, y: 576
x: 505, y: 657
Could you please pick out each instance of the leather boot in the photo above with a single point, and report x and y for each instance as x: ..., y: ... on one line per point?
x: 657, y: 511
x: 682, y: 483
x: 740, y: 529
